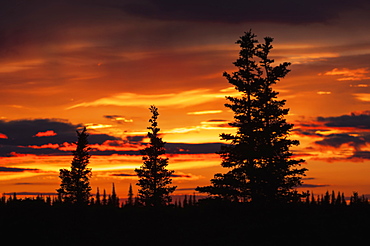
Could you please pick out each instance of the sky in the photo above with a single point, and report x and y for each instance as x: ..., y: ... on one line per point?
x: 102, y: 63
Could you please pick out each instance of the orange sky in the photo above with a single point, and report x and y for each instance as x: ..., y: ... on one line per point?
x: 65, y: 64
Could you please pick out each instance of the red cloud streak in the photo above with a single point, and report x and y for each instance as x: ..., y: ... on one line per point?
x: 48, y: 133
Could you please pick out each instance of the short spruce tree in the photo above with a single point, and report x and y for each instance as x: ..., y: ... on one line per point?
x: 75, y: 183
x: 154, y: 179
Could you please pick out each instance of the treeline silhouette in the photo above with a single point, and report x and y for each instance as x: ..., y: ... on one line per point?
x: 109, y: 200
x: 326, y: 220
x: 189, y: 200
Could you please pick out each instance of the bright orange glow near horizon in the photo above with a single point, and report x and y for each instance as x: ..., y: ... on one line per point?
x: 104, y: 63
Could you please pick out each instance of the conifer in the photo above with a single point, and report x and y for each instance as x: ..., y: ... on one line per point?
x: 154, y: 179
x: 261, y: 167
x: 130, y: 199
x: 97, y: 197
x: 75, y: 183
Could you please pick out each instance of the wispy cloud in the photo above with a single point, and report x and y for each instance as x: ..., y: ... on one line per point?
x: 16, y: 169
x: 205, y: 112
x: 349, y: 74
x: 182, y: 99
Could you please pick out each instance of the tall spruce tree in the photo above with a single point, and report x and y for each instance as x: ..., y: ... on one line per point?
x: 261, y: 168
x: 75, y: 183
x: 154, y: 178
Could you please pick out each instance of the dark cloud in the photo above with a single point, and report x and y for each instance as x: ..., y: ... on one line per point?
x: 32, y: 193
x: 185, y: 189
x: 134, y: 175
x: 16, y: 169
x: 360, y: 120
x: 354, y: 135
x: 135, y: 139
x: 336, y: 140
x: 310, y: 178
x: 180, y: 176
x: 124, y: 175
x: 176, y: 148
x: 171, y: 148
x: 308, y: 132
x: 21, y: 134
x: 313, y: 185
x: 112, y: 117
x: 237, y: 11
x: 363, y: 155
x: 217, y: 120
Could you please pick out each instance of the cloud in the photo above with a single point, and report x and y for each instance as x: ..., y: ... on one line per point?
x: 360, y: 120
x: 182, y: 99
x: 345, y: 137
x: 49, y: 133
x: 313, y: 185
x: 124, y: 175
x: 177, y: 175
x: 64, y: 135
x: 205, y: 112
x: 45, y: 146
x: 324, y: 92
x: 24, y: 193
x: 365, y: 97
x: 186, y: 189
x: 181, y: 176
x: 177, y: 148
x: 236, y: 11
x: 350, y: 74
x: 118, y: 119
x: 337, y: 140
x: 17, y: 170
x: 25, y: 142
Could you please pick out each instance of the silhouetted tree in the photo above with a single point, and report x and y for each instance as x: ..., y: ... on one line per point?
x: 185, y: 201
x: 75, y: 183
x: 104, y: 201
x: 130, y: 199
x: 313, y: 201
x: 113, y: 199
x: 326, y: 198
x: 332, y: 199
x: 338, y: 200
x: 194, y: 199
x: 344, y: 202
x: 154, y: 178
x: 3, y: 199
x: 308, y: 198
x: 261, y: 166
x: 97, y: 197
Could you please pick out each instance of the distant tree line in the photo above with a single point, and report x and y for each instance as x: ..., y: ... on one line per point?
x: 329, y: 199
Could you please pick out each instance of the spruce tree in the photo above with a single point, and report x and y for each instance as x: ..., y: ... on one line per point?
x: 261, y: 168
x: 130, y: 199
x: 154, y: 178
x: 75, y: 183
x: 97, y: 202
x: 113, y: 199
x: 104, y: 200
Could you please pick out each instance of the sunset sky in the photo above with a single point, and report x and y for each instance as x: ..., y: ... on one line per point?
x: 101, y: 63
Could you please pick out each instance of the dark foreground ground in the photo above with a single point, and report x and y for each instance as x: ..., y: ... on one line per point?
x: 222, y: 225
